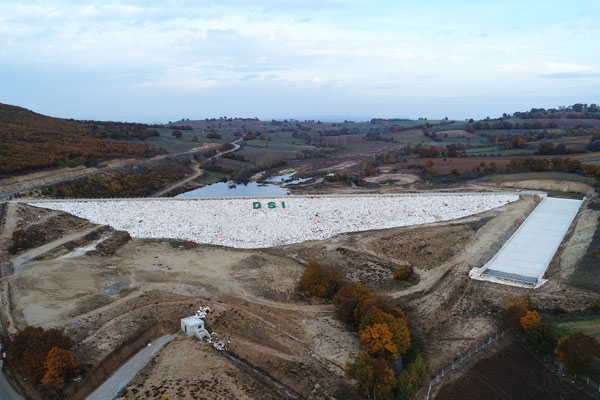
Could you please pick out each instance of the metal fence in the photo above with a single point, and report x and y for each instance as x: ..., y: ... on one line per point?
x: 591, y: 385
x: 464, y: 357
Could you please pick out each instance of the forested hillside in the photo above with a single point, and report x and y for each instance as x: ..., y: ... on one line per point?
x: 31, y: 141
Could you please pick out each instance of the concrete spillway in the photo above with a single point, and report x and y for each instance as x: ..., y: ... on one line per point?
x: 524, y: 258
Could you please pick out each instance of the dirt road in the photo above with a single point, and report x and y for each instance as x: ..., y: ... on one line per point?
x: 198, y: 172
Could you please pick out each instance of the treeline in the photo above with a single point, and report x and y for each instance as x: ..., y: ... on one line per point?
x: 125, y: 130
x: 531, y: 164
x: 452, y: 150
x: 503, y: 124
x: 389, y: 365
x: 31, y: 141
x: 141, y: 183
x: 575, y: 111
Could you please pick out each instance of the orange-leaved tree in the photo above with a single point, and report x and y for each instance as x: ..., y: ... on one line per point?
x: 59, y: 364
x: 530, y: 320
x: 396, y: 325
x: 377, y: 339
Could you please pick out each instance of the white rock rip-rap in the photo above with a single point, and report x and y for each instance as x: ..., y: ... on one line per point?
x: 235, y: 223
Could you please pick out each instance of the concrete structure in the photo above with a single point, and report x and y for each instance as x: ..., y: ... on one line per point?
x: 194, y: 326
x: 524, y: 258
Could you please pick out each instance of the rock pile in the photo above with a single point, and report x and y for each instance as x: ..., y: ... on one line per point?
x: 240, y: 223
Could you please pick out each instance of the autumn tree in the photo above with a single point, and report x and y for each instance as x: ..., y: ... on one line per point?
x: 377, y: 340
x: 320, y: 280
x: 577, y: 351
x: 530, y: 320
x: 514, y: 309
x: 373, y: 375
x: 59, y: 365
x: 396, y: 325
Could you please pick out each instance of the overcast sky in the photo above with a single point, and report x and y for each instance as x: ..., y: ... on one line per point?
x: 166, y: 60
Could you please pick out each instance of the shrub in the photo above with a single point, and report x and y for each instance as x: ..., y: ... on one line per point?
x: 594, y: 254
x: 320, y: 280
x: 403, y: 272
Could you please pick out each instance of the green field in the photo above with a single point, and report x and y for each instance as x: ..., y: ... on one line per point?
x: 570, y: 325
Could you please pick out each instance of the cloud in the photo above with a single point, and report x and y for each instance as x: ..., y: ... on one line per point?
x: 571, y: 75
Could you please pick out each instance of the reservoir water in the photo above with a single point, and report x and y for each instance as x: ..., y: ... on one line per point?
x: 224, y: 189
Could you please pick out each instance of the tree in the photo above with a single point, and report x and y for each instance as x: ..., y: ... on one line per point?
x: 543, y: 337
x: 374, y: 375
x: 396, y: 325
x: 411, y: 379
x: 377, y: 340
x: 577, y: 351
x: 530, y: 320
x: 59, y: 365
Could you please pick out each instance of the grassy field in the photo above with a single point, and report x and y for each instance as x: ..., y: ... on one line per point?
x: 413, y: 136
x: 571, y: 325
x: 173, y: 145
x: 209, y: 177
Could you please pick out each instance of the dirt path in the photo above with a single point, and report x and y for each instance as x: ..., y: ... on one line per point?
x: 10, y: 221
x: 31, y: 254
x: 484, y: 240
x: 198, y: 172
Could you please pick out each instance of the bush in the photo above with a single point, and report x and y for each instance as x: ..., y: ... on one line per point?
x: 403, y: 272
x: 320, y: 280
x: 594, y: 254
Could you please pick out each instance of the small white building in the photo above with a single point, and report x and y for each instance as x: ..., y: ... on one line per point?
x: 194, y: 326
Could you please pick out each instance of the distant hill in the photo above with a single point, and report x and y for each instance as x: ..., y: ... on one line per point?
x: 30, y: 141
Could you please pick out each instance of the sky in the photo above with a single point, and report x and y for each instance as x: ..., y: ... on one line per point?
x: 157, y: 61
